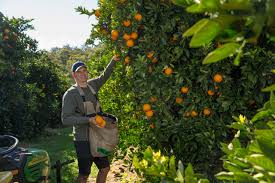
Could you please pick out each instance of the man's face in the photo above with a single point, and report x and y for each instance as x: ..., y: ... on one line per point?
x: 81, y: 75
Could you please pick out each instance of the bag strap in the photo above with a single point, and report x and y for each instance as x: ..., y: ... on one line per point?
x: 82, y: 94
x: 98, y: 106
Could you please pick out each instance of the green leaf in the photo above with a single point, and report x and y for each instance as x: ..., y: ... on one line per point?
x: 196, y: 8
x: 237, y: 5
x: 269, y: 88
x: 189, y: 174
x: 262, y: 161
x: 206, y: 34
x: 237, y: 59
x: 240, y: 162
x: 236, y: 143
x: 203, y: 181
x: 136, y: 162
x: 196, y: 27
x: 148, y: 154
x: 272, y: 100
x: 183, y: 2
x: 267, y: 106
x: 254, y: 147
x: 271, y: 124
x: 210, y: 5
x: 232, y: 167
x: 172, y: 166
x: 237, y: 126
x: 180, y: 167
x: 152, y: 171
x: 265, y: 139
x: 225, y: 176
x: 261, y: 115
x: 220, y: 53
x: 242, y: 177
x: 179, y: 177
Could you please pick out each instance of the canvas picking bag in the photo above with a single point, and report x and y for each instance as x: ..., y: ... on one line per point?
x: 102, y: 140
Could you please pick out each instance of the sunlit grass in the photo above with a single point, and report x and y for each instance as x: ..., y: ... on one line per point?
x: 59, y: 145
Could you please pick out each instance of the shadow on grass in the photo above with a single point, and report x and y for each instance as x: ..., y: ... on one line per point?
x: 59, y: 145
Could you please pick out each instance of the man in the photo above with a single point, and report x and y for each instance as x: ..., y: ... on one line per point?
x: 74, y: 113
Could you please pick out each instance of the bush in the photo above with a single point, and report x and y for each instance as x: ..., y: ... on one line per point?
x: 190, y: 104
x: 31, y: 87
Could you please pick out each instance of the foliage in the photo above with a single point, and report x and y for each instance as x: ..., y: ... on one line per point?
x: 232, y: 24
x: 161, y: 168
x: 186, y: 107
x: 250, y: 155
x: 67, y: 55
x: 48, y: 78
x: 116, y: 98
x: 23, y: 97
x: 61, y: 148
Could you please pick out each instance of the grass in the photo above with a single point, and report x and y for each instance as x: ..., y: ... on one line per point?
x: 59, y: 145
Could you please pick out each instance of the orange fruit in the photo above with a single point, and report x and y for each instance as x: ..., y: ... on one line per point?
x: 168, y: 71
x: 130, y: 43
x: 146, y: 107
x: 149, y: 113
x: 114, y: 33
x: 194, y: 113
x: 153, y: 99
x: 184, y: 89
x: 155, y: 60
x: 126, y: 36
x: 100, y: 121
x: 210, y: 92
x: 206, y: 111
x: 150, y: 54
x: 152, y: 125
x: 138, y: 17
x: 218, y: 78
x: 114, y: 38
x: 127, y: 23
x: 179, y: 100
x: 97, y: 13
x: 127, y: 60
x: 134, y: 35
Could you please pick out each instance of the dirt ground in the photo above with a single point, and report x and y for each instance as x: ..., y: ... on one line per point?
x: 120, y: 172
x: 122, y: 169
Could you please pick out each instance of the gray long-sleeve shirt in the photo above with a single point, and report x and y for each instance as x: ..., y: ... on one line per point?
x: 73, y: 112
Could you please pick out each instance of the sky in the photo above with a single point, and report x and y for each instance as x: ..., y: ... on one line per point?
x: 56, y: 22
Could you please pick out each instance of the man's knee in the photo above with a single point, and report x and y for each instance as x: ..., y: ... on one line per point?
x: 104, y: 170
x: 82, y: 178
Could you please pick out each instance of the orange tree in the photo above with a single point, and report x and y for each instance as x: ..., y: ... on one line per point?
x: 116, y: 98
x: 31, y: 86
x: 184, y: 103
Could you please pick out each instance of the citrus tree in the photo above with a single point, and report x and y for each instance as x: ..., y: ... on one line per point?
x: 185, y: 104
x: 30, y: 85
